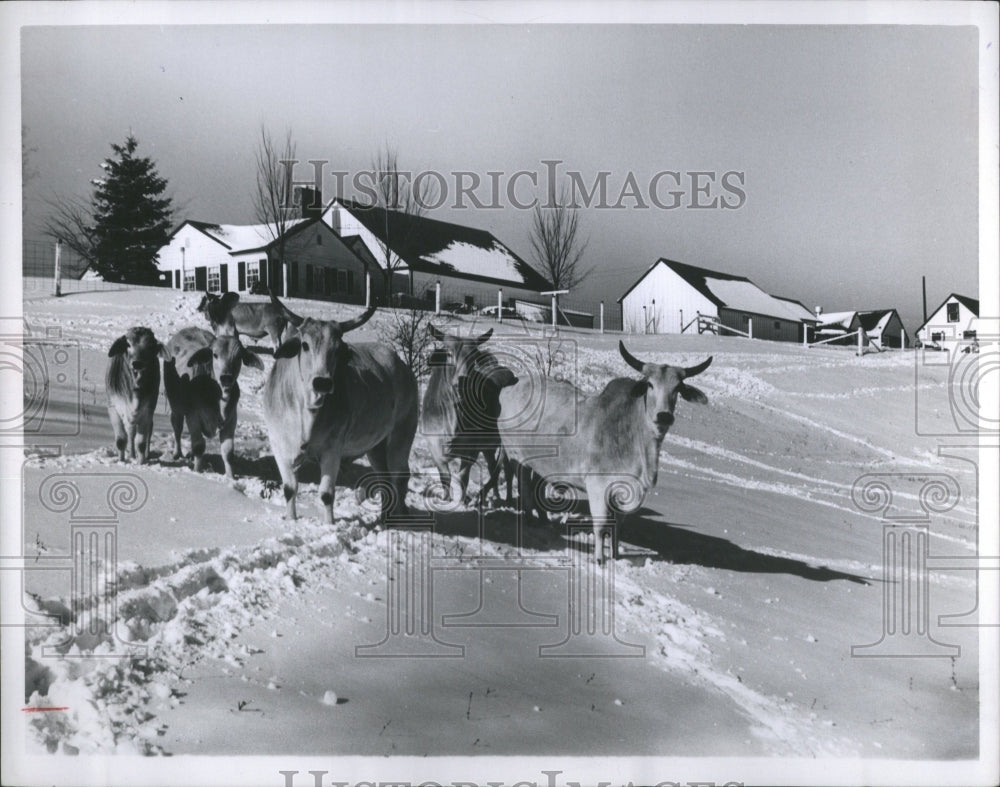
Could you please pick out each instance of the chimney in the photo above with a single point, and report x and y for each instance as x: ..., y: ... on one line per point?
x: 819, y: 311
x: 309, y: 201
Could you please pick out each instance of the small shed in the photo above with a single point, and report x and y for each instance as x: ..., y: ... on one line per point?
x: 883, y: 328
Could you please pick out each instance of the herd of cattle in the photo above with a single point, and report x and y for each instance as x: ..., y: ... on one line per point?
x: 325, y: 400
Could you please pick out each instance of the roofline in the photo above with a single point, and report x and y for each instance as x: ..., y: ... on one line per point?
x: 955, y: 295
x: 194, y: 224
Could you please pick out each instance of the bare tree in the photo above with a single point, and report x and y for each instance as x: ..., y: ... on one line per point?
x: 28, y: 171
x: 398, y: 191
x: 272, y: 200
x: 406, y: 332
x: 70, y: 220
x: 555, y: 239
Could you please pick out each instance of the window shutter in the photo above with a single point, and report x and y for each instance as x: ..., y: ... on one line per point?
x: 201, y: 278
x: 224, y: 277
x: 241, y: 270
x: 309, y: 278
x: 177, y: 279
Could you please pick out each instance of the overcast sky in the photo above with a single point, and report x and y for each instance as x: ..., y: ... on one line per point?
x: 858, y: 145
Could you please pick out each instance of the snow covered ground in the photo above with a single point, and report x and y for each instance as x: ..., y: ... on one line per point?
x: 743, y: 584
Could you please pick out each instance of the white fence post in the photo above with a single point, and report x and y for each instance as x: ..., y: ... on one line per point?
x: 58, y: 272
x: 645, y: 322
x: 682, y: 321
x: 437, y: 298
x: 368, y: 289
x: 749, y: 327
x: 554, y: 310
x: 602, y: 316
x: 861, y: 345
x: 500, y: 305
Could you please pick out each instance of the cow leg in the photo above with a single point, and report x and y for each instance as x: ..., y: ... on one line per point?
x: 130, y: 430
x: 227, y: 433
x: 177, y: 422
x: 597, y: 496
x: 289, y: 484
x: 143, y: 433
x: 493, y: 464
x: 329, y: 467
x: 397, y: 459
x: 444, y: 470
x: 121, y: 437
x: 464, y: 469
x: 508, y: 472
x: 196, y: 429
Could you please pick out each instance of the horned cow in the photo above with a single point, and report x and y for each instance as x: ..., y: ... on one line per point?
x: 228, y: 316
x: 200, y: 376
x: 133, y: 385
x: 606, y: 445
x: 327, y: 400
x: 460, y: 408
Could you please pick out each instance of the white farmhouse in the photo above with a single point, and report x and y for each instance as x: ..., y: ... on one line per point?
x: 950, y: 321
x: 234, y: 258
x: 669, y: 296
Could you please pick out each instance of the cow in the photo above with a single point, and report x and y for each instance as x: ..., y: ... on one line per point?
x: 200, y: 374
x: 133, y: 384
x: 460, y: 408
x: 606, y: 445
x: 328, y: 400
x: 227, y: 315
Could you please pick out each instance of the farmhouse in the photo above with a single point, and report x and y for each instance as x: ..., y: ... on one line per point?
x: 233, y: 258
x: 950, y: 321
x: 670, y: 296
x: 883, y: 328
x: 471, y: 264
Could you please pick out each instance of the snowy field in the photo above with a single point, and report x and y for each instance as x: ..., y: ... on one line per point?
x: 743, y: 583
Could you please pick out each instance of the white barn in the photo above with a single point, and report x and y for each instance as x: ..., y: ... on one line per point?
x: 669, y: 295
x: 471, y: 264
x: 950, y: 321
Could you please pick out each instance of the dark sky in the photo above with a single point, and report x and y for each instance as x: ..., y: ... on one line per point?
x: 858, y: 145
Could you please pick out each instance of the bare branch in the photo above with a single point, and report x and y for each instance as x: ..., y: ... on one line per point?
x: 272, y: 199
x: 555, y: 240
x: 70, y: 220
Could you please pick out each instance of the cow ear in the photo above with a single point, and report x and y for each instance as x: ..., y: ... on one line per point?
x: 204, y: 355
x: 485, y: 337
x: 251, y: 359
x: 230, y: 299
x: 119, y: 347
x: 289, y: 348
x: 435, y: 331
x: 692, y: 394
x: 640, y: 388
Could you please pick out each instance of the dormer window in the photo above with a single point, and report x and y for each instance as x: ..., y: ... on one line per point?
x: 953, y: 312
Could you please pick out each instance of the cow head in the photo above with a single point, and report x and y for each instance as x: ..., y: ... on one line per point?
x: 227, y: 356
x: 141, y: 351
x: 461, y: 354
x: 661, y: 385
x: 317, y: 349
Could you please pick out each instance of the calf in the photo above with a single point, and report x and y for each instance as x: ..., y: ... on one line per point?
x: 227, y: 315
x: 133, y: 384
x: 200, y: 378
x: 606, y: 445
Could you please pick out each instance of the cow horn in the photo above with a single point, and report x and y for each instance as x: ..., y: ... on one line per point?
x: 691, y: 371
x: 436, y: 332
x: 293, y: 318
x: 485, y: 336
x: 357, y: 322
x: 630, y: 359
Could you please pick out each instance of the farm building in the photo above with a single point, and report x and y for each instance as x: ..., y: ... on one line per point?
x: 949, y: 321
x: 233, y: 258
x: 883, y: 328
x: 670, y: 296
x: 471, y: 264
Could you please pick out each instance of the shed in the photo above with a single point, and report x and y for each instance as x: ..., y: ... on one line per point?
x: 950, y: 321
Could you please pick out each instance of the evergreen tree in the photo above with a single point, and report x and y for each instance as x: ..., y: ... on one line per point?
x: 131, y: 215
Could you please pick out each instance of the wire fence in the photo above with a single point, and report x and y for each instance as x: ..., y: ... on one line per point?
x: 38, y: 270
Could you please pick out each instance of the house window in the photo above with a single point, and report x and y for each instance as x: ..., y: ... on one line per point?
x: 777, y: 325
x: 952, y: 312
x: 319, y: 239
x: 329, y: 281
x: 214, y: 280
x: 189, y: 280
x: 342, y: 281
x: 317, y: 279
x: 253, y: 274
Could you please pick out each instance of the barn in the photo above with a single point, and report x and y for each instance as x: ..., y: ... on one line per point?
x: 470, y: 264
x: 950, y: 321
x: 669, y: 296
x: 883, y: 328
x: 234, y: 257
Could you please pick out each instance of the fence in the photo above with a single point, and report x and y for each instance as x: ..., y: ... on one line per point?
x: 38, y: 270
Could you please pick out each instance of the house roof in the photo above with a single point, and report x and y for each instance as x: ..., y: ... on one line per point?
x: 446, y: 249
x: 732, y: 292
x: 807, y: 313
x: 876, y: 318
x: 969, y: 303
